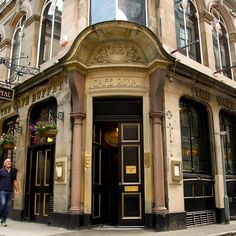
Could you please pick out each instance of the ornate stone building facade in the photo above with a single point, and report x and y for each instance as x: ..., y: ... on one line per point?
x: 142, y: 94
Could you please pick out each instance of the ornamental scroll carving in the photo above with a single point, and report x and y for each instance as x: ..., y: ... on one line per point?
x: 116, y: 53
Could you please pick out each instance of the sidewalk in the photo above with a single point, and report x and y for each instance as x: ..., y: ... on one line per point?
x: 17, y: 228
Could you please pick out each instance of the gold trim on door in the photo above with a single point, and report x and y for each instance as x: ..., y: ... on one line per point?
x: 37, y: 204
x: 46, y: 166
x: 130, y: 169
x: 125, y: 139
x: 99, y: 205
x: 139, y: 216
x: 38, y: 170
x: 45, y: 204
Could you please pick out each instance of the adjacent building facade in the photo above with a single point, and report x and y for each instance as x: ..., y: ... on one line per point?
x: 143, y: 96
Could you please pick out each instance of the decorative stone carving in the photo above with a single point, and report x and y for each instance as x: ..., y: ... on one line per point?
x: 116, y: 53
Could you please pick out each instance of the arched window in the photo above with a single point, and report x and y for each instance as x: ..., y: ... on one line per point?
x: 187, y: 28
x: 221, y: 45
x: 50, y: 30
x: 194, y: 137
x: 228, y: 124
x: 105, y: 10
x: 16, y: 53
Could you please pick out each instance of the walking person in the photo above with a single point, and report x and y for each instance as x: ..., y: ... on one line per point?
x: 7, y: 183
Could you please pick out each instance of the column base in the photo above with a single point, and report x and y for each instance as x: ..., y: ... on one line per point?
x: 165, y: 221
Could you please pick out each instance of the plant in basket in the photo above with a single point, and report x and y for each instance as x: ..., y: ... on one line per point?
x: 7, y: 142
x: 43, y: 129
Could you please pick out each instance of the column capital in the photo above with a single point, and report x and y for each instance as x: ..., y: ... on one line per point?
x: 157, y: 114
x: 77, y: 115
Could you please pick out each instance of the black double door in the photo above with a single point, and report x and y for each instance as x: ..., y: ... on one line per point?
x: 117, y: 163
x: 39, y: 183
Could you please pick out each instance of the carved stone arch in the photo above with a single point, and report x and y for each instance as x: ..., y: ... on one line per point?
x: 39, y: 7
x: 200, y: 4
x: 226, y: 17
x: 27, y: 8
x: 2, y: 33
x: 117, y: 43
x: 14, y: 22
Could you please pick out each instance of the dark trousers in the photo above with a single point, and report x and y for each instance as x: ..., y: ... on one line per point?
x: 5, y: 202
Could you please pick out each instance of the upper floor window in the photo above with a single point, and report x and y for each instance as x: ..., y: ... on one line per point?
x: 105, y: 10
x: 50, y: 30
x: 228, y: 124
x: 221, y: 45
x: 17, y: 55
x: 187, y: 29
x: 194, y: 137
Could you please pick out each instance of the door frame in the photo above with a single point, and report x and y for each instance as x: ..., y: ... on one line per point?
x: 30, y: 179
x: 126, y: 119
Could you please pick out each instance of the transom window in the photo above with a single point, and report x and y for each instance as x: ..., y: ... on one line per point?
x: 187, y: 28
x: 194, y: 137
x: 106, y: 10
x: 50, y: 30
x: 221, y: 45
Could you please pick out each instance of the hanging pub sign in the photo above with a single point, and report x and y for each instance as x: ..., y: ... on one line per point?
x: 6, y: 93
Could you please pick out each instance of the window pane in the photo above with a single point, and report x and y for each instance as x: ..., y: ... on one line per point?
x: 102, y: 10
x: 50, y: 31
x: 194, y: 137
x: 134, y: 10
x: 105, y: 10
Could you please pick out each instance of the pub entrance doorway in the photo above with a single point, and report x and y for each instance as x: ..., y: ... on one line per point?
x: 117, y: 176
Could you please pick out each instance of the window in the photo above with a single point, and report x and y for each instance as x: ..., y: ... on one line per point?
x: 105, y: 10
x: 16, y: 54
x: 187, y: 28
x: 221, y: 45
x: 194, y: 137
x: 50, y: 30
x: 228, y: 123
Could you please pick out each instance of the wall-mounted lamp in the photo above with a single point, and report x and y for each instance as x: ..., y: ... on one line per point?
x: 60, y: 115
x: 233, y: 12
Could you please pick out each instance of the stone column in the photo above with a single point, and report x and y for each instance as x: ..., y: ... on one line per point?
x: 159, y: 197
x: 77, y: 85
x: 157, y: 82
x: 76, y: 163
x: 206, y: 39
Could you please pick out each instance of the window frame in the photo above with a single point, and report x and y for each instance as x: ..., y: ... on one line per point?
x: 19, y: 29
x: 50, y: 4
x: 198, y: 135
x: 218, y: 24
x: 192, y: 51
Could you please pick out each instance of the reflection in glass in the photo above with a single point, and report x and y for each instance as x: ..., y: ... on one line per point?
x: 105, y: 10
x: 194, y: 137
x: 50, y: 30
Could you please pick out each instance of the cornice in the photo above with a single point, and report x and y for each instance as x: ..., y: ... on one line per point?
x: 206, y: 16
x: 32, y: 19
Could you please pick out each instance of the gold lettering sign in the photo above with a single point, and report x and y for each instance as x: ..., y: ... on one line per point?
x: 130, y: 170
x: 201, y: 93
x: 6, y: 93
x: 227, y: 103
x: 131, y: 188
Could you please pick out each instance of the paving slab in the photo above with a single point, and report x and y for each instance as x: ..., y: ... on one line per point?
x: 19, y: 228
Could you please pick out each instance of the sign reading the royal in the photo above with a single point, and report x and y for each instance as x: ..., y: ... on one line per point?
x: 6, y: 93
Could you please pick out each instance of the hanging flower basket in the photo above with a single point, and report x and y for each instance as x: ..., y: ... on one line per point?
x: 42, y: 130
x: 50, y: 133
x: 8, y: 146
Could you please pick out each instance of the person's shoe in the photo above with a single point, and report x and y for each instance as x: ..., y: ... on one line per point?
x: 4, y: 224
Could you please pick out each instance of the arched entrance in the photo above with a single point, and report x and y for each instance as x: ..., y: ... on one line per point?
x: 40, y: 167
